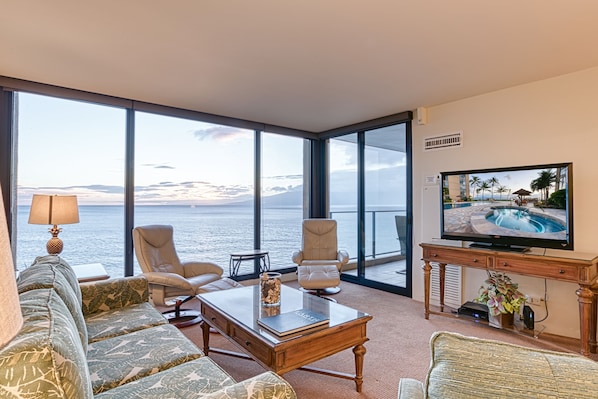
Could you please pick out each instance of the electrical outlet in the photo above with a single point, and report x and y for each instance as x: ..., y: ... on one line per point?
x: 534, y: 300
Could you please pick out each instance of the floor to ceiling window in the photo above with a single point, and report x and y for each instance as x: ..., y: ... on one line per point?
x: 368, y: 174
x: 224, y: 189
x: 343, y: 193
x: 71, y: 147
x: 199, y: 178
x: 282, y: 197
x: 385, y: 189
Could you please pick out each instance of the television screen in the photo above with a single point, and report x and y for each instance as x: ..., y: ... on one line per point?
x: 510, y: 208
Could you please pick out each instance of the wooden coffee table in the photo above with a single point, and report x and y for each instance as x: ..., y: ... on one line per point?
x: 234, y: 314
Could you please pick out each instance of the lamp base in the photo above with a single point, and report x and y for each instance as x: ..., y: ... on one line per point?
x: 54, y: 246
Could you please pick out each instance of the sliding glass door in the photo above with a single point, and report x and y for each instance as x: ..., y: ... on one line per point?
x: 369, y: 197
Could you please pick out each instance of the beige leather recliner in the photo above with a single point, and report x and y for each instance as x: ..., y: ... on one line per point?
x: 168, y: 277
x: 319, y: 251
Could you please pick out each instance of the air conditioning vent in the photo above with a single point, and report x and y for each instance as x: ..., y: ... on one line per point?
x: 452, y: 286
x: 443, y: 142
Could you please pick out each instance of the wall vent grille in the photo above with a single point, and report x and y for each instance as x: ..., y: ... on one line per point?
x: 452, y: 286
x: 443, y: 142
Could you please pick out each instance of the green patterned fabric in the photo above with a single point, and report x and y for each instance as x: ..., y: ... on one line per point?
x: 46, y: 359
x: 46, y: 275
x: 193, y: 379
x: 101, y: 296
x: 63, y: 267
x: 464, y: 367
x: 104, y: 338
x: 266, y: 385
x: 125, y: 358
x: 410, y: 388
x: 121, y: 321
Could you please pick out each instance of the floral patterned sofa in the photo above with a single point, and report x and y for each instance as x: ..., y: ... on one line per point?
x: 105, y: 340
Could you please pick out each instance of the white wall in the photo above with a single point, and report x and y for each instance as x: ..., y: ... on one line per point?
x: 554, y: 120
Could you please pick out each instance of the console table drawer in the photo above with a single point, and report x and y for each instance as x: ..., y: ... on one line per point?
x: 455, y: 257
x: 539, y: 269
x: 214, y: 318
x: 251, y: 344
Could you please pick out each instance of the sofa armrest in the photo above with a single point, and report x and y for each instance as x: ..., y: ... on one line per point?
x: 100, y: 296
x: 410, y: 389
x: 297, y: 257
x: 196, y: 268
x: 267, y: 385
x: 343, y: 257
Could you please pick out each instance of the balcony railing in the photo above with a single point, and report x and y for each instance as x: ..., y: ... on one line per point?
x: 382, y: 239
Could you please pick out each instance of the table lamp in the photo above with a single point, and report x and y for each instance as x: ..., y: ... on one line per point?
x: 10, y: 309
x: 54, y: 210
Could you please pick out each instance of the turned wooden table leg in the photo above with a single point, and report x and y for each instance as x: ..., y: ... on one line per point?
x: 205, y: 331
x: 584, y: 298
x: 427, y: 268
x: 359, y: 351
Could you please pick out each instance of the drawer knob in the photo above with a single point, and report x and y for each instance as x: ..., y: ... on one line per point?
x: 505, y: 264
x: 434, y: 255
x: 475, y: 260
x: 561, y: 271
x: 213, y: 319
x: 247, y: 343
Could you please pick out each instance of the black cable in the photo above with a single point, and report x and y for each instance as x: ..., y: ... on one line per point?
x: 545, y: 302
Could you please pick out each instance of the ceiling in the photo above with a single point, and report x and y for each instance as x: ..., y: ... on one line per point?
x: 306, y: 64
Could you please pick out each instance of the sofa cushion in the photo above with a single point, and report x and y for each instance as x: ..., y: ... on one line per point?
x: 192, y: 379
x: 465, y: 367
x: 101, y: 296
x: 119, y: 360
x: 265, y: 385
x: 62, y: 267
x: 119, y: 321
x: 48, y: 275
x: 46, y: 357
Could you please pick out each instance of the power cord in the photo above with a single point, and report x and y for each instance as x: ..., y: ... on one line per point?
x: 545, y: 302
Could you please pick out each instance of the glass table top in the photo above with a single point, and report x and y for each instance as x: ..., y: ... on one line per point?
x: 244, y: 305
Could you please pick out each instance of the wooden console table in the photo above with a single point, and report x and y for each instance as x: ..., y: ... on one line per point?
x: 566, y: 266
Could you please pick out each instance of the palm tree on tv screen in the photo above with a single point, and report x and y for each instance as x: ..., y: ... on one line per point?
x: 492, y: 181
x: 543, y: 183
x: 475, y: 182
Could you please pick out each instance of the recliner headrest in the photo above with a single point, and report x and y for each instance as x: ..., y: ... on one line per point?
x: 319, y: 226
x: 156, y: 235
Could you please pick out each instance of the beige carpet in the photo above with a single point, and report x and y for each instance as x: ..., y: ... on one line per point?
x: 398, y: 347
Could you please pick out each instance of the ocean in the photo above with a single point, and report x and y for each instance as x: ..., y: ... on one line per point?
x: 206, y: 233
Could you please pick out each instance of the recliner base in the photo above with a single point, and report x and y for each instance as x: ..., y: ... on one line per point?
x: 182, y: 317
x: 322, y: 291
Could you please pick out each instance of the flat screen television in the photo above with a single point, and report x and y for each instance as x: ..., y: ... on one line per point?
x: 509, y: 208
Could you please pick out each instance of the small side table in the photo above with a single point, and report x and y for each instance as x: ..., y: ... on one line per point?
x: 238, y: 257
x: 90, y: 272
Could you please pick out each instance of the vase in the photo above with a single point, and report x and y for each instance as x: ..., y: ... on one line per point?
x: 270, y: 288
x: 503, y: 320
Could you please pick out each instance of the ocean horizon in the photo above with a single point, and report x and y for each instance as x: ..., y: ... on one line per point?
x: 202, y: 233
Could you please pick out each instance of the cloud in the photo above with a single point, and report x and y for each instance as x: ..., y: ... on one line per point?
x: 158, y: 166
x: 222, y: 133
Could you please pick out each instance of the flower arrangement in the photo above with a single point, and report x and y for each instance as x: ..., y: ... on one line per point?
x: 500, y: 294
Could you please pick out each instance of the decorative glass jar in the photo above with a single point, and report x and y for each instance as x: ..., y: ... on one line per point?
x: 270, y: 288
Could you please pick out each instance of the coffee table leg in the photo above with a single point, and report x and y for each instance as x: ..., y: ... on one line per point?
x: 359, y: 351
x: 205, y: 330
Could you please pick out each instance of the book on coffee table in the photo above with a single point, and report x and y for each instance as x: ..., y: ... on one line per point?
x: 293, y: 322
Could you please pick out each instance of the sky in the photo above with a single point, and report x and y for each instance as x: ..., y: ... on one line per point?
x: 70, y: 147
x: 512, y: 180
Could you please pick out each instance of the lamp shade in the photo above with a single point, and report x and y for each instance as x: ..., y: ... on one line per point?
x: 10, y: 308
x: 54, y: 209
